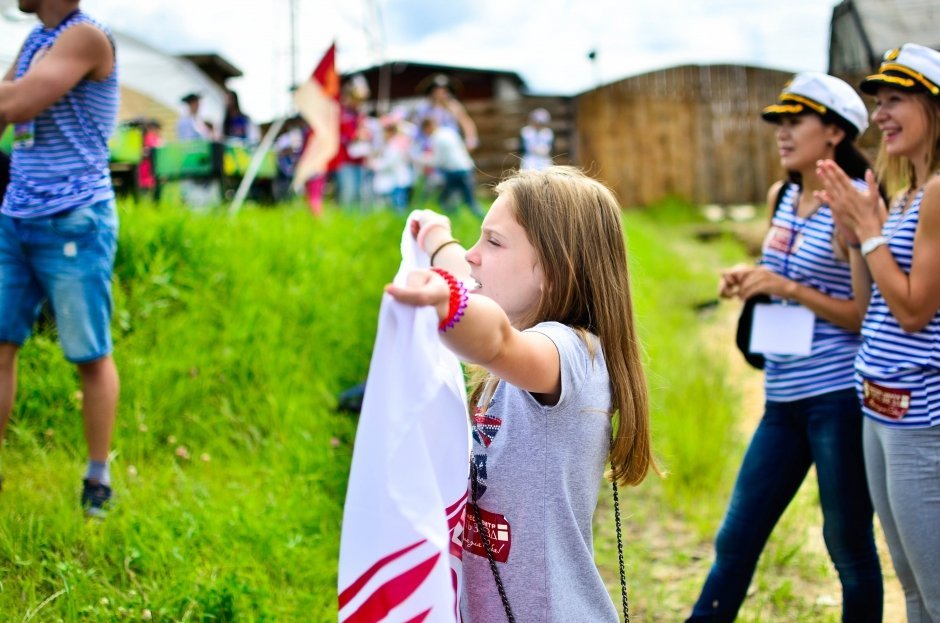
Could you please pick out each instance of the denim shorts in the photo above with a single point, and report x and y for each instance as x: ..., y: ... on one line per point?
x: 68, y: 259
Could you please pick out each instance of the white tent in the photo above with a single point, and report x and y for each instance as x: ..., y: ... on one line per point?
x: 142, y: 70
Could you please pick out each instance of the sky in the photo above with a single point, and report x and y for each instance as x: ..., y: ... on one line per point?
x: 546, y: 41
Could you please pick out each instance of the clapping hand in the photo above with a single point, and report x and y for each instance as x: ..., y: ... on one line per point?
x: 857, y: 213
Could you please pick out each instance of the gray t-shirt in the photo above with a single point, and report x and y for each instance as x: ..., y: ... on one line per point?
x: 539, y: 469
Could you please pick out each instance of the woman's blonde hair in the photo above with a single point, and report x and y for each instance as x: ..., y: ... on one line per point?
x: 897, y: 172
x: 573, y: 222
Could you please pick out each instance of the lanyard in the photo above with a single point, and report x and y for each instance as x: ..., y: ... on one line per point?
x: 795, y: 230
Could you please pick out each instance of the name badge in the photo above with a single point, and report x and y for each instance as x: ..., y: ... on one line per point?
x: 887, y: 401
x: 497, y: 530
x: 782, y: 330
x: 779, y: 239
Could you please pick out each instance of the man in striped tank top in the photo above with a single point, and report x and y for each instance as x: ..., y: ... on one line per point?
x: 896, y: 279
x: 58, y: 223
x: 811, y: 413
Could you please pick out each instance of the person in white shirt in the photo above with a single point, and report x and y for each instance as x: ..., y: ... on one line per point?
x: 536, y: 141
x: 391, y: 165
x: 190, y: 127
x: 449, y: 155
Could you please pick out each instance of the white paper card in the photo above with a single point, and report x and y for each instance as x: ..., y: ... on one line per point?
x: 782, y: 330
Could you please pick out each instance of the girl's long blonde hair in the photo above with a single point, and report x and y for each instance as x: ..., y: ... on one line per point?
x: 573, y: 222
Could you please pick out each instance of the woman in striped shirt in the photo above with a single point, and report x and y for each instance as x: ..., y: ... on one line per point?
x: 811, y: 413
x: 896, y: 277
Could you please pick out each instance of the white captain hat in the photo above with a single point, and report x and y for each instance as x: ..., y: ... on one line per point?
x: 911, y: 67
x: 831, y: 98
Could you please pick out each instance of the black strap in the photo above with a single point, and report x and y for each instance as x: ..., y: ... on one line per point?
x: 485, y: 537
x: 779, y: 199
x: 623, y: 575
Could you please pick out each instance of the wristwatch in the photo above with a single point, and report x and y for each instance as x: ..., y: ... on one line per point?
x: 870, y: 244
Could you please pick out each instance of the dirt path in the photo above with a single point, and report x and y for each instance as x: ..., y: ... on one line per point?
x: 668, y: 558
x: 752, y: 404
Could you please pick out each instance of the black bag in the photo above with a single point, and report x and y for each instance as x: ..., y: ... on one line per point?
x: 743, y: 336
x: 746, y: 319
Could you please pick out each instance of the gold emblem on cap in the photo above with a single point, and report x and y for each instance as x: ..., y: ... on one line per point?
x: 890, y: 55
x: 905, y: 82
x: 793, y: 97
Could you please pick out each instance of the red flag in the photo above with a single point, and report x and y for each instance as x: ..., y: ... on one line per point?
x: 317, y: 100
x: 400, y: 551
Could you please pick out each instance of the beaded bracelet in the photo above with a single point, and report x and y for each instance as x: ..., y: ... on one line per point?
x: 458, y: 300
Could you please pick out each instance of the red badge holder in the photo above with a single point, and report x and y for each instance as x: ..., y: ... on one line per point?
x: 890, y: 402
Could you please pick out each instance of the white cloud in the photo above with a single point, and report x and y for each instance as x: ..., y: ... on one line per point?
x: 546, y: 42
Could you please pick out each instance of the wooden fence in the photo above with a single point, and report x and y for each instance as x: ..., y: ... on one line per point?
x: 499, y: 122
x: 692, y: 132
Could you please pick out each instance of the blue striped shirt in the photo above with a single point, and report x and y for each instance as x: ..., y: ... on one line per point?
x: 67, y: 165
x: 892, y: 357
x: 802, y: 250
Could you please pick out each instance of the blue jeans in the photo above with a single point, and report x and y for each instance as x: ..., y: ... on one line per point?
x: 824, y: 429
x: 68, y: 258
x: 462, y: 183
x: 350, y: 185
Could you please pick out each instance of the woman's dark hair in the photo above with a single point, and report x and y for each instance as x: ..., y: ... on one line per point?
x: 232, y: 104
x: 234, y: 122
x: 849, y: 158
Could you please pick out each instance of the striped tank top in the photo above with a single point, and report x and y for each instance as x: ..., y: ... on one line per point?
x: 67, y: 164
x: 802, y: 250
x: 891, y: 358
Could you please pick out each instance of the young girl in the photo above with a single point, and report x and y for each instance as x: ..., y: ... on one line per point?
x: 896, y: 276
x: 549, y: 317
x: 811, y: 413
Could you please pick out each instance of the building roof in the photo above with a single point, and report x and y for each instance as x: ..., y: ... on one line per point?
x: 408, y: 79
x: 401, y: 66
x: 214, y: 66
x: 862, y: 30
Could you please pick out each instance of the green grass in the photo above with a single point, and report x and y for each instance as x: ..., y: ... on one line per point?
x: 697, y: 412
x: 233, y: 337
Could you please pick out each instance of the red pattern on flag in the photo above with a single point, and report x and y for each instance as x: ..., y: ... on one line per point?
x: 317, y: 101
x: 403, y: 520
x: 393, y: 593
x: 356, y: 586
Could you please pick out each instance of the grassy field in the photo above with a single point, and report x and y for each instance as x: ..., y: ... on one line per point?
x: 706, y: 402
x: 233, y: 338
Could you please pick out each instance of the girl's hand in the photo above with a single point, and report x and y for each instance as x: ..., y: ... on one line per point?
x: 424, y: 288
x: 858, y: 214
x: 764, y: 281
x: 731, y: 279
x: 423, y: 222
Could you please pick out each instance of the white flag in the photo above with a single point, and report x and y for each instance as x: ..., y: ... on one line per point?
x: 399, y: 559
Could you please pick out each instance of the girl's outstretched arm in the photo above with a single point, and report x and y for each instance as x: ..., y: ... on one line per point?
x: 484, y: 336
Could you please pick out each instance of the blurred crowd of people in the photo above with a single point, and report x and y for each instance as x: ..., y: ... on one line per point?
x: 408, y: 156
x: 417, y: 153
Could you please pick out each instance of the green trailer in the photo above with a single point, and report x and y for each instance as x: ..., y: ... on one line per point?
x: 178, y: 160
x: 206, y: 159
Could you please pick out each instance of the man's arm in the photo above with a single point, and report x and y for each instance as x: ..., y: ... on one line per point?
x: 83, y: 51
x: 467, y: 126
